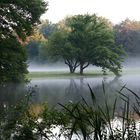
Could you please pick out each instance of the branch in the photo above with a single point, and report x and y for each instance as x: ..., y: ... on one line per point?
x: 67, y: 62
x: 76, y: 64
x: 86, y: 65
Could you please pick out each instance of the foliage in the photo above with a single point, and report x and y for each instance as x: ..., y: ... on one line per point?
x: 84, y: 120
x: 109, y: 58
x: 32, y: 50
x: 37, y: 47
x: 94, y: 38
x: 12, y: 61
x: 127, y: 33
x: 60, y: 46
x: 18, y: 17
x: 47, y: 28
x: 34, y: 46
x: 17, y: 20
x: 86, y: 39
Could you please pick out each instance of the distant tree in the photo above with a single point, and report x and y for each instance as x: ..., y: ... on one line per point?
x: 33, y: 45
x: 32, y: 50
x: 17, y: 19
x: 47, y: 28
x: 127, y: 33
x: 89, y: 40
x: 36, y: 43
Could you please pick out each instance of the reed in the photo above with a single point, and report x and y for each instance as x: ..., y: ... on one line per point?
x: 86, y: 121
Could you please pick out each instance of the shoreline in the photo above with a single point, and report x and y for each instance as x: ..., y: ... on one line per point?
x: 66, y: 74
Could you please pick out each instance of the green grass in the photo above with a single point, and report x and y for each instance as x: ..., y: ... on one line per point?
x: 61, y: 74
x: 66, y: 74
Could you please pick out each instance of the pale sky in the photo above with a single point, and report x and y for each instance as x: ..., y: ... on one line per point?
x: 114, y: 10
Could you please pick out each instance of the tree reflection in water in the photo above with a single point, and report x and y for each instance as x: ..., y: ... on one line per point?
x: 54, y: 91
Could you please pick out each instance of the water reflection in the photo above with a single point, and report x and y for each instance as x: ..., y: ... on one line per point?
x: 54, y: 91
x: 11, y: 94
x: 62, y: 91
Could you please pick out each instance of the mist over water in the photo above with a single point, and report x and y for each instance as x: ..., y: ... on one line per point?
x: 132, y: 62
x: 42, y: 67
x: 129, y: 63
x: 63, y: 89
x: 72, y: 89
x: 55, y: 67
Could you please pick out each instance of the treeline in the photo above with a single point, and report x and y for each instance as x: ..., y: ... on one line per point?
x: 126, y: 33
x: 79, y: 41
x: 70, y: 40
x: 17, y: 19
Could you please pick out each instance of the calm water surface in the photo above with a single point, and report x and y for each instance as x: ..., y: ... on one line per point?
x: 64, y: 90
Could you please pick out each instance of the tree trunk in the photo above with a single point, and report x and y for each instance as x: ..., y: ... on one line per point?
x: 72, y: 65
x: 83, y: 66
x: 81, y: 69
x: 71, y: 69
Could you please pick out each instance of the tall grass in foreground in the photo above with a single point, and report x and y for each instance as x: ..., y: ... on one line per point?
x: 96, y: 122
x: 83, y: 120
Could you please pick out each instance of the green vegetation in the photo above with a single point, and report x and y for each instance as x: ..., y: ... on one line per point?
x: 79, y: 41
x: 127, y: 33
x: 47, y: 28
x: 36, y: 47
x: 65, y: 74
x: 62, y: 74
x: 83, y: 119
x: 12, y: 61
x: 85, y: 40
x: 17, y: 19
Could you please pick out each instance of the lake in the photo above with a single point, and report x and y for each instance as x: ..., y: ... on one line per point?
x: 64, y: 90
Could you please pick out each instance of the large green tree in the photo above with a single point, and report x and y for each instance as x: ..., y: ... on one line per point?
x: 12, y: 61
x: 89, y: 40
x: 17, y: 18
x: 87, y: 33
x: 60, y: 46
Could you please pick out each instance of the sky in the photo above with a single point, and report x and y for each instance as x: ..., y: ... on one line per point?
x: 114, y: 10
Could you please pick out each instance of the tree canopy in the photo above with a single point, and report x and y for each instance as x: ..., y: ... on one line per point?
x: 86, y: 39
x: 17, y: 19
x: 60, y: 46
x: 12, y: 61
x: 18, y: 16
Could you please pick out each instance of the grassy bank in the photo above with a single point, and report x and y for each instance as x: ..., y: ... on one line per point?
x: 66, y: 74
x: 61, y: 74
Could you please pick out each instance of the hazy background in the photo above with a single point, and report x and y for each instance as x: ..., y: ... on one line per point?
x: 114, y: 10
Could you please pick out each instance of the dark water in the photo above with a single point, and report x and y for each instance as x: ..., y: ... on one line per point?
x: 64, y: 90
